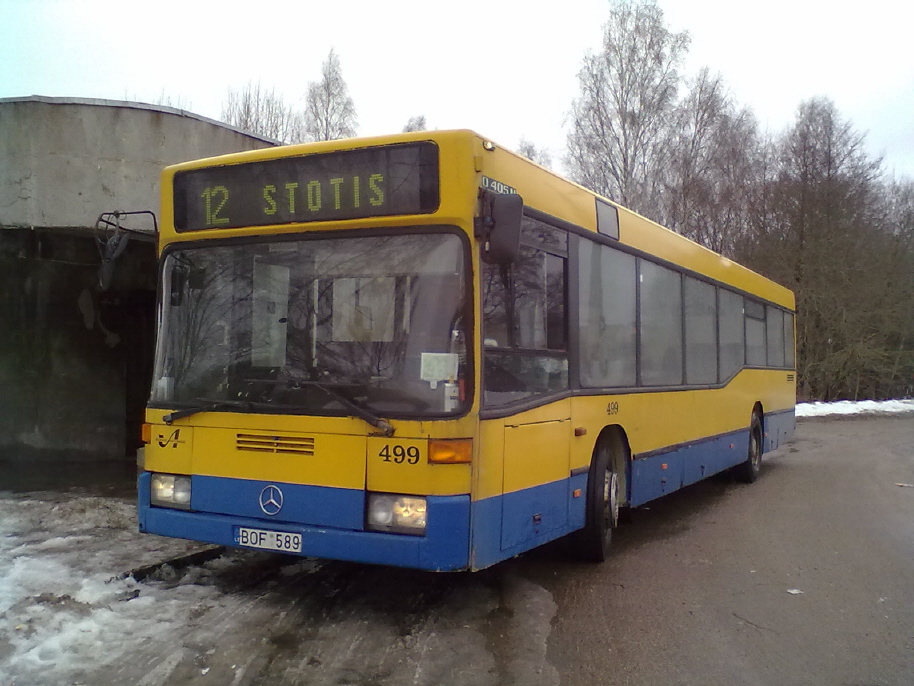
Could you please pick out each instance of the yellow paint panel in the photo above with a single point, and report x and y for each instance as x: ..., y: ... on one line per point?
x: 400, y: 465
x: 653, y: 421
x: 546, y: 413
x: 252, y: 453
x: 488, y: 465
x: 657, y: 240
x: 334, y: 460
x: 525, y: 450
x: 536, y: 454
x: 170, y: 450
x: 239, y: 445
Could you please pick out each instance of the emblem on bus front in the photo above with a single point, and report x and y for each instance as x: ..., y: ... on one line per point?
x: 271, y: 500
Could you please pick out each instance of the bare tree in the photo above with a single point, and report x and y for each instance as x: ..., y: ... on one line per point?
x: 827, y: 235
x: 899, y: 198
x: 539, y: 155
x: 808, y: 208
x: 179, y: 102
x: 711, y: 165
x: 330, y: 112
x: 415, y: 124
x: 264, y: 112
x: 900, y: 208
x: 622, y: 119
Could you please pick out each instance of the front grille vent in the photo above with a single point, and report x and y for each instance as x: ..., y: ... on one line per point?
x: 266, y: 443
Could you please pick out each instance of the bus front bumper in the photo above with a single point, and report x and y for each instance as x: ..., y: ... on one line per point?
x: 444, y: 547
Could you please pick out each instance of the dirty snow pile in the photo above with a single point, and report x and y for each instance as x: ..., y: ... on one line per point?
x: 846, y: 407
x: 66, y: 608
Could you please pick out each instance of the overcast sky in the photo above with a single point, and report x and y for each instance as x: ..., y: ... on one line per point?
x: 505, y: 68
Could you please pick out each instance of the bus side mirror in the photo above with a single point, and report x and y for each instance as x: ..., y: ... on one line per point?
x: 498, y: 226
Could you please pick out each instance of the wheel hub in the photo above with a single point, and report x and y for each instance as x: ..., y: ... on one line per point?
x: 611, y: 498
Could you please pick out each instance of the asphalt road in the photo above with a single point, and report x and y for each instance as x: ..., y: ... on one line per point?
x: 805, y: 577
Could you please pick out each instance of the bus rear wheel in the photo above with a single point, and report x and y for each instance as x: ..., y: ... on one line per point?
x: 592, y: 543
x: 748, y: 471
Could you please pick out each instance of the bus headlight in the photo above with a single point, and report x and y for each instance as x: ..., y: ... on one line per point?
x: 170, y: 490
x: 402, y: 514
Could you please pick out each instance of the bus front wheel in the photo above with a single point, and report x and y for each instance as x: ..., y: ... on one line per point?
x: 602, y: 507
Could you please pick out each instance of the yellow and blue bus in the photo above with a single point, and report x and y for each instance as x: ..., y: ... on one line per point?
x: 424, y: 350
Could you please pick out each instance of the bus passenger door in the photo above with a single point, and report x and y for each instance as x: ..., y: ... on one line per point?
x: 525, y: 361
x: 535, y: 499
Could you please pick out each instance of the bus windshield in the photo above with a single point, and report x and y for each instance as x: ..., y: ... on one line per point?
x: 315, y: 326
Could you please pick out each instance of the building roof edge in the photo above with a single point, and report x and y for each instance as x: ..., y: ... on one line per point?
x: 128, y: 104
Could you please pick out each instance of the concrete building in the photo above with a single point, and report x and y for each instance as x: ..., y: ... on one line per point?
x: 76, y: 340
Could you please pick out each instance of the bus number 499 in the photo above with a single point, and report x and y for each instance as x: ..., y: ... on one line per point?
x: 400, y: 454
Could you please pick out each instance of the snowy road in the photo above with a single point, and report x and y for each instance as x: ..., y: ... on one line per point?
x: 66, y: 616
x: 697, y: 593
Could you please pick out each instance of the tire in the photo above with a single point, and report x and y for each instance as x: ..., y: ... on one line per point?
x: 592, y: 543
x: 748, y: 471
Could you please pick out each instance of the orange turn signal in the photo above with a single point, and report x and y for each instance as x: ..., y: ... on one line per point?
x: 459, y: 451
x: 146, y: 433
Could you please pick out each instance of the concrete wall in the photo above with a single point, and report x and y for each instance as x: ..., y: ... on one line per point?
x: 63, y: 162
x: 75, y: 359
x: 70, y: 354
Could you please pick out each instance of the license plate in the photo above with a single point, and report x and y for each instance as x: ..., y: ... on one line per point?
x: 269, y: 540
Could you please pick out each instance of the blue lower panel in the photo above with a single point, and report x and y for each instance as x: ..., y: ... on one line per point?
x: 779, y: 428
x: 445, y: 547
x: 711, y: 457
x: 533, y: 512
x: 657, y: 475
x: 505, y: 526
x: 340, y: 508
x: 662, y: 473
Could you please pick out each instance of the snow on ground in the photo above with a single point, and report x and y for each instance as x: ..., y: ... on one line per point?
x: 849, y: 407
x: 67, y: 608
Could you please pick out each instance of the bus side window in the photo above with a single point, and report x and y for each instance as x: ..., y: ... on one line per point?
x: 788, y: 340
x: 756, y: 336
x: 606, y: 293
x: 524, y: 321
x: 660, y: 309
x: 775, y: 337
x: 700, y: 332
x: 539, y: 300
x: 496, y: 284
x: 731, y: 334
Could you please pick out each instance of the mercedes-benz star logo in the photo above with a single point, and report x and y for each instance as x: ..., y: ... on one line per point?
x: 271, y: 500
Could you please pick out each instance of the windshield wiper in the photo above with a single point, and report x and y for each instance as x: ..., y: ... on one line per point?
x: 362, y: 413
x: 208, y: 406
x: 368, y: 416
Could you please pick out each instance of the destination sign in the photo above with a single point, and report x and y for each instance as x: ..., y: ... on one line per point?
x: 350, y: 184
